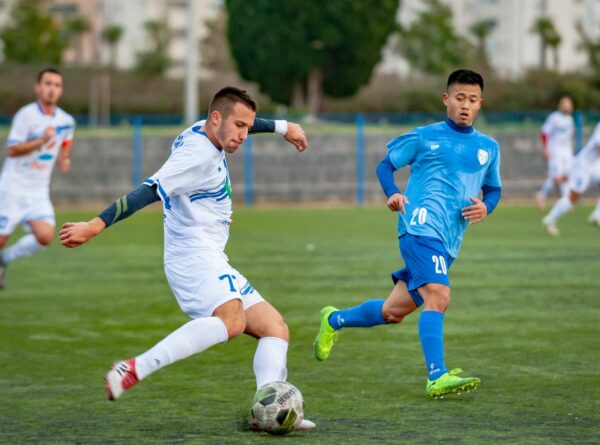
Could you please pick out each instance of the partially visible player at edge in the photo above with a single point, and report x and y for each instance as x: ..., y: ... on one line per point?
x: 450, y: 164
x: 195, y: 190
x: 40, y: 135
x: 557, y: 140
x: 585, y: 172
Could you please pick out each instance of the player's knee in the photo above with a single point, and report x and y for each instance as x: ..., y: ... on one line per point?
x: 276, y: 328
x: 392, y: 315
x: 3, y: 240
x: 236, y: 325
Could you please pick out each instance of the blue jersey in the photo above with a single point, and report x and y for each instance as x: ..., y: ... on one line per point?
x: 448, y: 165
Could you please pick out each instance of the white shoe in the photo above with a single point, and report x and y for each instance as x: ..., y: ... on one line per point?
x: 306, y: 425
x: 552, y: 229
x: 121, y: 377
x: 540, y: 202
x: 593, y: 219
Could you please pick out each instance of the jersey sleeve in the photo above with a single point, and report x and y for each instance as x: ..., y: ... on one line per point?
x: 492, y: 176
x: 403, y: 149
x: 69, y: 133
x: 548, y: 124
x: 181, y: 173
x: 19, y: 129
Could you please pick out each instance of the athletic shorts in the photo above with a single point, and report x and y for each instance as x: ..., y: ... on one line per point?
x: 202, y: 284
x: 17, y: 209
x: 560, y: 164
x: 583, y: 175
x: 426, y: 260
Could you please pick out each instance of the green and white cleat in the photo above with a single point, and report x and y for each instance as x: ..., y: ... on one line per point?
x: 451, y: 383
x: 326, y: 337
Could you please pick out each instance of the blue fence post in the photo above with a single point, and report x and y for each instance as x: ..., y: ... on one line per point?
x: 248, y: 173
x: 360, y: 159
x: 136, y: 174
x: 578, y: 131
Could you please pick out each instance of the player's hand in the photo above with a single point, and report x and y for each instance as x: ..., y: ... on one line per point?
x: 546, y: 152
x: 49, y: 133
x: 476, y: 212
x: 75, y: 234
x: 295, y: 136
x: 396, y: 203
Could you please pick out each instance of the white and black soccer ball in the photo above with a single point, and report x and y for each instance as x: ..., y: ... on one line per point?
x: 278, y: 408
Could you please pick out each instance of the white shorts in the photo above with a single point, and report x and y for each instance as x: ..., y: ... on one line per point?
x: 582, y: 175
x: 560, y: 164
x: 201, y: 285
x: 17, y: 209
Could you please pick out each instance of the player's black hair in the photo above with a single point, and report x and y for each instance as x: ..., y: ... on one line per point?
x: 224, y: 100
x: 47, y: 70
x: 466, y: 77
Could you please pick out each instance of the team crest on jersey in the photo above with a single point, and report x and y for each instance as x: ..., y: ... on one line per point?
x: 482, y: 156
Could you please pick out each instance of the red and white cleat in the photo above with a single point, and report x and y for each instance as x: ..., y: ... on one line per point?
x: 121, y: 377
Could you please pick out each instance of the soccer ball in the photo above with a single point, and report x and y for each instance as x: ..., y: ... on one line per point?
x: 278, y: 408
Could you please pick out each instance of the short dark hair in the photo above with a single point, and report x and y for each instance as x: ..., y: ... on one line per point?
x: 224, y: 100
x: 47, y: 70
x: 466, y: 77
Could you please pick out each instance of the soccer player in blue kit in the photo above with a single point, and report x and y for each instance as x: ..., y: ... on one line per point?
x: 450, y: 163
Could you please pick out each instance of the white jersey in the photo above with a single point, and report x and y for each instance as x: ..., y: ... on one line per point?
x: 195, y: 189
x: 30, y: 174
x: 590, y: 153
x: 559, y: 129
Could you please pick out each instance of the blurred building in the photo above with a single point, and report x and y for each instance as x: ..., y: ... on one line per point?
x: 131, y: 16
x: 511, y: 46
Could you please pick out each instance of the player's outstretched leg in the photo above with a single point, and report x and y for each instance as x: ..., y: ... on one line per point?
x: 121, y: 377
x: 451, y: 383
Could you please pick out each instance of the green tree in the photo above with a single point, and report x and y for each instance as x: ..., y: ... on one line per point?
x: 32, y: 36
x: 549, y: 38
x: 155, y: 61
x: 430, y: 44
x: 309, y: 49
x: 592, y: 49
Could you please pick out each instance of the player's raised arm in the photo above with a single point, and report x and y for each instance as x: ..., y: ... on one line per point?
x: 291, y: 132
x: 75, y: 234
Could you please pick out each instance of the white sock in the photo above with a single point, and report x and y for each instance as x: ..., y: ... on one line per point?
x: 596, y: 212
x: 546, y: 188
x: 191, y: 338
x: 270, y: 360
x: 26, y: 246
x: 562, y: 206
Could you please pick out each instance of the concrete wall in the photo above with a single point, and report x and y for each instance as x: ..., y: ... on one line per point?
x: 102, y: 168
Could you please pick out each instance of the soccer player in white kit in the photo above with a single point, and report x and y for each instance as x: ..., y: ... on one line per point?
x: 557, y: 138
x: 585, y: 172
x: 195, y: 190
x: 40, y: 135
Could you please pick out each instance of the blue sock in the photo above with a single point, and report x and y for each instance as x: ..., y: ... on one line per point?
x: 364, y: 315
x: 431, y: 331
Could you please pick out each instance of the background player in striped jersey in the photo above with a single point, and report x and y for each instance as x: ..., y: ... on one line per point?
x: 40, y: 135
x: 194, y: 186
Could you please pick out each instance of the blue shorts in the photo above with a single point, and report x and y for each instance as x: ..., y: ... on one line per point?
x: 427, y: 261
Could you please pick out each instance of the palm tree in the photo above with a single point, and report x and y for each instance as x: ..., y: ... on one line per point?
x: 549, y: 37
x: 482, y: 30
x: 75, y: 29
x: 112, y: 35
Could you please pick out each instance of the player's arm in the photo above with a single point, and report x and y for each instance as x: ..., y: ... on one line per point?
x: 24, y: 148
x: 291, y: 132
x: 75, y: 234
x: 64, y: 156
x: 385, y: 173
x: 544, y: 140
